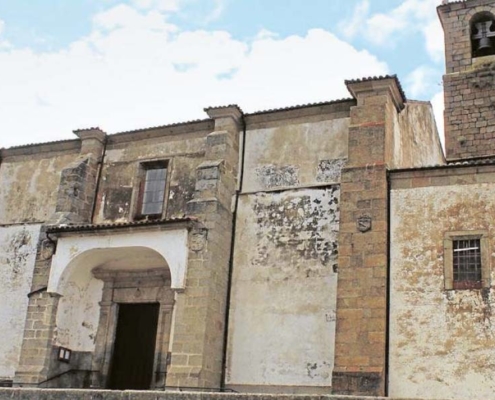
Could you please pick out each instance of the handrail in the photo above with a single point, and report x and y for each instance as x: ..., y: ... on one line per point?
x: 198, y: 389
x: 64, y: 373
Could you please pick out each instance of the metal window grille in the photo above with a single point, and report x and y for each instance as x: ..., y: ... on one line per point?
x: 467, y: 263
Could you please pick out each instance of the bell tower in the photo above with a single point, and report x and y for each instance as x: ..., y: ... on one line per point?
x: 469, y: 81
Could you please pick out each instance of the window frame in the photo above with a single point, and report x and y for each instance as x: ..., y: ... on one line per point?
x: 143, y: 167
x: 448, y: 253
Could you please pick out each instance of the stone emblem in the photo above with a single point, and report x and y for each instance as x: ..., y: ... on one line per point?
x: 47, y: 249
x: 197, y: 240
x: 364, y: 223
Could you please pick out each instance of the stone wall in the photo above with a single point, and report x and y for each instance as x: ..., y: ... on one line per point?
x: 470, y: 112
x: 441, y: 341
x: 282, y: 311
x: 416, y: 141
x: 289, y: 153
x: 29, y: 182
x: 18, y: 245
x: 283, y: 302
x: 182, y: 146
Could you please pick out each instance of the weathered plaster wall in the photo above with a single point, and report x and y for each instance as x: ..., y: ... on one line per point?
x: 119, y: 184
x: 29, y: 185
x: 442, y: 343
x: 416, y: 142
x: 295, y: 154
x: 282, y: 316
x: 17, y: 255
x: 79, y: 311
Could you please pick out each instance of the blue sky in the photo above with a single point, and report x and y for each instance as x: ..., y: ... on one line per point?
x: 125, y: 64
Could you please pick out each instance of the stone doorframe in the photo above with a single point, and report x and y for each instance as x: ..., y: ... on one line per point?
x: 132, y: 286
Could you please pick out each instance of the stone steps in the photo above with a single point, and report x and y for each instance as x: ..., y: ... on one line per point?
x: 87, y: 394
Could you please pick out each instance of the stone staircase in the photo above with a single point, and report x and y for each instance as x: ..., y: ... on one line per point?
x: 87, y: 394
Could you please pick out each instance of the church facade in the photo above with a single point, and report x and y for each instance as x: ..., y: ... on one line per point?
x: 322, y: 248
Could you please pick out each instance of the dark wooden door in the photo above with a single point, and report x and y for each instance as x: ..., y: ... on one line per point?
x: 134, y: 349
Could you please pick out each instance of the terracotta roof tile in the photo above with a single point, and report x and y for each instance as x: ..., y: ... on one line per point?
x: 225, y: 106
x: 117, y: 225
x: 193, y: 121
x: 322, y: 103
x: 379, y: 78
x: 454, y: 163
x: 87, y: 129
x: 39, y: 144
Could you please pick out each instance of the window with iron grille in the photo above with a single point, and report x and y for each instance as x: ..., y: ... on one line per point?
x: 466, y: 263
x: 466, y: 260
x: 152, y: 188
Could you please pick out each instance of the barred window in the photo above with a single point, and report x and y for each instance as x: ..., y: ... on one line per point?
x: 467, y: 263
x: 466, y: 260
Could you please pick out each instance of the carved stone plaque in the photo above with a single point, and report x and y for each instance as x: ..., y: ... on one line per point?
x: 197, y: 240
x: 364, y: 223
x: 47, y: 249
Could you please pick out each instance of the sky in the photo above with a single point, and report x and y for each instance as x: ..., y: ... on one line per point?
x: 128, y: 64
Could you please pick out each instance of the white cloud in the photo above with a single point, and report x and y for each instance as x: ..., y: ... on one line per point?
x: 381, y: 27
x: 420, y: 81
x: 123, y: 16
x: 266, y: 34
x: 410, y: 17
x: 217, y: 7
x: 433, y: 33
x: 216, y: 12
x: 353, y: 26
x: 135, y: 70
x: 438, y: 106
x: 4, y: 44
x: 160, y: 5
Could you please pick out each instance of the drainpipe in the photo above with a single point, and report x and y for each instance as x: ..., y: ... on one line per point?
x: 231, y: 257
x: 387, y: 310
x: 98, y: 177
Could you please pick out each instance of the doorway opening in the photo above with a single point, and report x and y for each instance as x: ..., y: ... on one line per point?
x: 134, y: 349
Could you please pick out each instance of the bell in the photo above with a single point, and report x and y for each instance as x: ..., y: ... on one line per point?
x: 485, y: 45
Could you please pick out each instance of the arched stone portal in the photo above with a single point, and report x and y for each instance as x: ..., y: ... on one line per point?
x: 124, y: 287
x: 93, y: 287
x: 143, y: 264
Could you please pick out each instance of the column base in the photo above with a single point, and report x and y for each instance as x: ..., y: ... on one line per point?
x: 358, y: 383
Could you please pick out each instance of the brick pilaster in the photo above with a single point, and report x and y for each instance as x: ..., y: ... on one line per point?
x: 360, y: 348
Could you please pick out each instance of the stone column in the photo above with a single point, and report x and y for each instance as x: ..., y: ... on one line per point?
x: 163, y: 343
x: 36, y: 351
x: 361, y: 330
x: 36, y: 347
x: 198, y: 334
x: 106, y: 327
x: 77, y: 190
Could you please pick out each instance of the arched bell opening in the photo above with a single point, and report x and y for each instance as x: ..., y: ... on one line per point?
x: 104, y: 291
x: 482, y: 28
